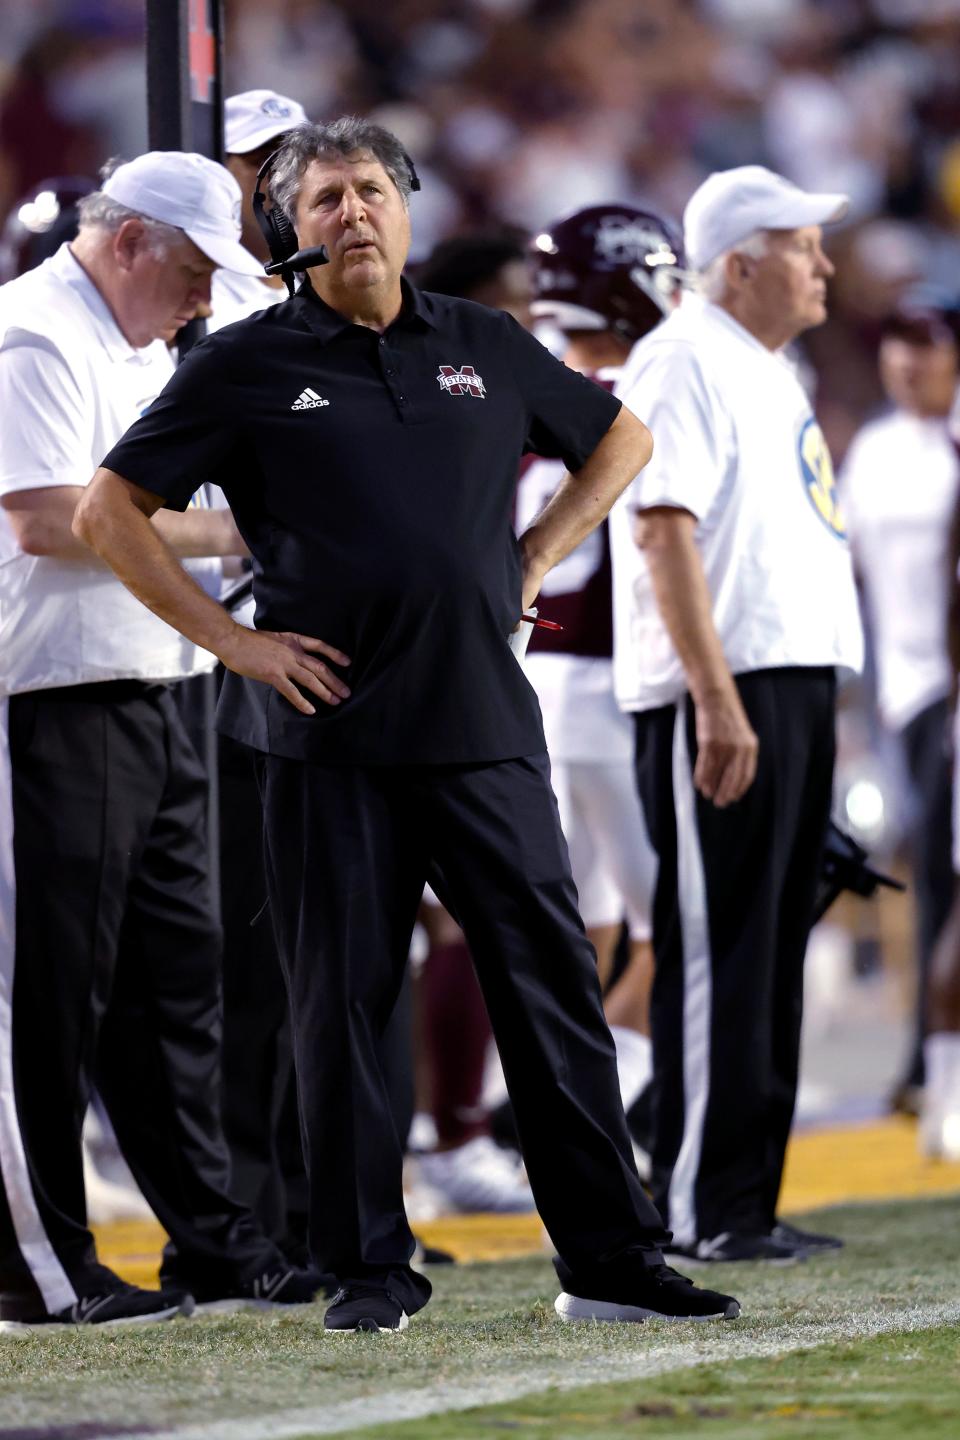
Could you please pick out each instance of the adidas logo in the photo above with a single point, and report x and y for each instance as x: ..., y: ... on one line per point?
x: 308, y: 400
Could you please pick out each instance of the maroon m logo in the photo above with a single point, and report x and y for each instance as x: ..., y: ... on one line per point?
x: 464, y: 381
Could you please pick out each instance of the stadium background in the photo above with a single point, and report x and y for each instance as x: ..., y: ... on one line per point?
x: 517, y: 110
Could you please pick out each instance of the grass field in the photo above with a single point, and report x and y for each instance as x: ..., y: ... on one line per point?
x: 865, y: 1342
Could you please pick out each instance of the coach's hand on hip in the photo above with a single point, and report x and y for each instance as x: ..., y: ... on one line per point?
x: 286, y: 661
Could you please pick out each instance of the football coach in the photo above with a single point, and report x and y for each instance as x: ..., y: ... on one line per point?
x: 367, y: 437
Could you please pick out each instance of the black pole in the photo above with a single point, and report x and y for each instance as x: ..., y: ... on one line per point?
x: 185, y: 112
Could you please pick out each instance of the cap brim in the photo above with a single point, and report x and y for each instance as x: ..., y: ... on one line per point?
x: 254, y: 141
x: 228, y: 254
x: 804, y: 209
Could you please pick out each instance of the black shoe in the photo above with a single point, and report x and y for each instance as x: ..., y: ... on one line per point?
x: 120, y: 1305
x: 280, y: 1285
x: 655, y: 1292
x: 809, y: 1239
x: 431, y: 1255
x: 365, y: 1307
x: 731, y: 1248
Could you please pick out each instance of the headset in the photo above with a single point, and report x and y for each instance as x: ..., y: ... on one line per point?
x: 280, y: 235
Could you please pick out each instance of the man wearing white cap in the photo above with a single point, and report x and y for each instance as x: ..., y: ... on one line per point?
x: 254, y: 123
x: 735, y: 607
x: 109, y: 953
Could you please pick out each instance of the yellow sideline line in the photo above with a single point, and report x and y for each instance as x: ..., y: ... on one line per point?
x: 878, y: 1161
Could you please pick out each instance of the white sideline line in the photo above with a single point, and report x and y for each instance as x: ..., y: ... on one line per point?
x: 394, y: 1407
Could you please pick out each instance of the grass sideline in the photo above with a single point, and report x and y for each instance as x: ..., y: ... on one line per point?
x: 491, y: 1331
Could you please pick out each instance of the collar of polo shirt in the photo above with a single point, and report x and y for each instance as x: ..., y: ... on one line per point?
x: 325, y: 322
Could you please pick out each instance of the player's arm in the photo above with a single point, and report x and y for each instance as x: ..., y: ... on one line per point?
x: 42, y: 521
x: 115, y: 518
x: 726, y: 744
x: 583, y: 499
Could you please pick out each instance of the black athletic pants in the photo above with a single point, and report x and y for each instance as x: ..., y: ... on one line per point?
x: 116, y: 983
x: 732, y: 914
x: 348, y: 849
x: 927, y: 750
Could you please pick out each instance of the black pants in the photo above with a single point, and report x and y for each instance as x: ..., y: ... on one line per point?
x: 117, y: 983
x: 732, y: 914
x: 348, y: 851
x: 926, y: 746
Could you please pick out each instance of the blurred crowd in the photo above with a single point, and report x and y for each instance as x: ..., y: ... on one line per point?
x: 519, y: 109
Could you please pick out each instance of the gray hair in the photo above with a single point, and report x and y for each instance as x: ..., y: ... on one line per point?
x: 339, y: 137
x: 101, y: 212
x: 711, y: 281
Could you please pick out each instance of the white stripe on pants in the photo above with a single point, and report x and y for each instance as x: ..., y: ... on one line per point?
x: 38, y: 1253
x: 697, y: 990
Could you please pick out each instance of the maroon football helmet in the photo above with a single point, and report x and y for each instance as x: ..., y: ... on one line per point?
x: 608, y: 267
x: 39, y: 222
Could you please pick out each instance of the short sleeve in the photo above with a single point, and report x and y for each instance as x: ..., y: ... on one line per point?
x: 568, y: 415
x: 186, y: 437
x: 670, y: 394
x: 47, y: 431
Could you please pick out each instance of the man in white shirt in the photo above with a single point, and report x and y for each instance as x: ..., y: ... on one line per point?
x: 900, y: 484
x: 254, y: 123
x: 109, y: 953
x: 734, y: 605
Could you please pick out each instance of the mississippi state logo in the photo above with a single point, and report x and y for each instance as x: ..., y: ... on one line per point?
x: 816, y: 468
x: 464, y: 381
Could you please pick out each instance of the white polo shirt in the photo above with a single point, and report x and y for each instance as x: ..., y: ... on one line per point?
x: 736, y: 444
x: 234, y: 297
x: 70, y: 385
x: 899, y: 489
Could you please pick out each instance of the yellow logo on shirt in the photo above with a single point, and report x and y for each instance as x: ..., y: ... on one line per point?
x: 816, y: 468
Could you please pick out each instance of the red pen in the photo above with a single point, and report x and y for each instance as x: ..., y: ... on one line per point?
x: 535, y: 620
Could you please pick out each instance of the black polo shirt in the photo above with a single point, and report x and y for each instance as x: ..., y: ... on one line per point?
x: 372, y: 477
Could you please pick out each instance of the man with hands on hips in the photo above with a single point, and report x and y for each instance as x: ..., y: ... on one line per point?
x: 734, y: 608
x: 367, y: 437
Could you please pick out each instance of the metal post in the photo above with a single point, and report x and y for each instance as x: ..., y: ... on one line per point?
x: 185, y: 112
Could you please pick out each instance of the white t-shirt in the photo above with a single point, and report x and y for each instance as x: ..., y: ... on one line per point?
x: 736, y: 444
x: 899, y: 487
x: 70, y: 385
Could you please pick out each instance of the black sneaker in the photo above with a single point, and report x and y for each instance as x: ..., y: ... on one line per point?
x: 281, y: 1285
x: 810, y: 1240
x: 655, y: 1292
x: 121, y: 1305
x: 732, y: 1248
x: 365, y: 1307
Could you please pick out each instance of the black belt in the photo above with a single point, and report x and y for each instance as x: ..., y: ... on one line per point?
x: 107, y: 692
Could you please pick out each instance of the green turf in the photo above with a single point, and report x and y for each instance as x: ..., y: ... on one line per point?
x: 888, y: 1387
x: 494, y: 1324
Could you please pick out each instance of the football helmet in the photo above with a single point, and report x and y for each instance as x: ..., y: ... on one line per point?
x: 608, y: 267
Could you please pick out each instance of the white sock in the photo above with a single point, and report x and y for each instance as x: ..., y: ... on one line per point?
x: 941, y: 1056
x: 634, y: 1062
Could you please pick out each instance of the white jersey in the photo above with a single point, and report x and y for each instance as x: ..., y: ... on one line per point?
x: 736, y: 444
x: 70, y: 385
x: 572, y: 672
x: 899, y: 490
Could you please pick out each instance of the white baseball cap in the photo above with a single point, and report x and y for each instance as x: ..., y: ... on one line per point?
x: 732, y: 204
x: 195, y: 194
x: 256, y: 116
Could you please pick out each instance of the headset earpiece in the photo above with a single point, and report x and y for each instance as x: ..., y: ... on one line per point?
x: 274, y: 225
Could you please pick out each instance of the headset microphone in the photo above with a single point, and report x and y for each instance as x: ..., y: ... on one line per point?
x: 299, y: 260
